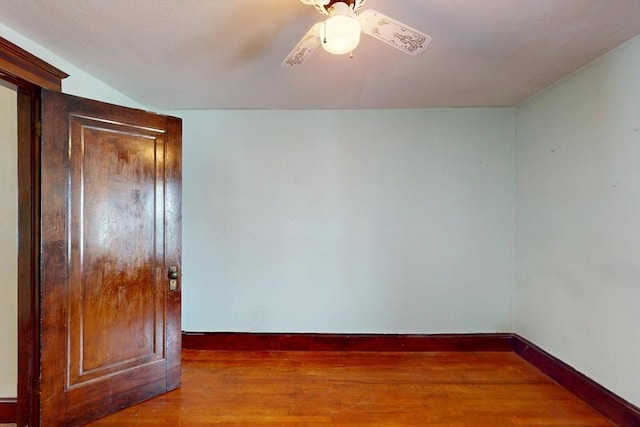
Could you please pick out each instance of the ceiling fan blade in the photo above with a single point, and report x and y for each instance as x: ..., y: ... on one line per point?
x: 392, y: 32
x: 304, y: 48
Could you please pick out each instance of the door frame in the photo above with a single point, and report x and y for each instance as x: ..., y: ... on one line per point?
x: 29, y: 74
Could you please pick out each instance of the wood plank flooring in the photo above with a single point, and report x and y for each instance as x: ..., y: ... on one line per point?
x: 231, y: 388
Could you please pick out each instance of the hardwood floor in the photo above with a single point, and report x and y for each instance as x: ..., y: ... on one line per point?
x: 234, y: 388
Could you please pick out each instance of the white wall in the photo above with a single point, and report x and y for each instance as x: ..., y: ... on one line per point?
x: 578, y: 220
x: 348, y: 221
x: 8, y: 242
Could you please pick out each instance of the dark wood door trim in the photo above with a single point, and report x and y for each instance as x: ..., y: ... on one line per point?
x: 28, y: 257
x: 8, y: 410
x: 28, y: 74
x: 17, y: 63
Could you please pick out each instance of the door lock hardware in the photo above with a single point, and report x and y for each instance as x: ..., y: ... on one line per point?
x: 173, y: 278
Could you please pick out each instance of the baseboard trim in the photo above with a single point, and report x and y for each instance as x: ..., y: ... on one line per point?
x: 344, y: 342
x: 8, y: 410
x: 612, y: 406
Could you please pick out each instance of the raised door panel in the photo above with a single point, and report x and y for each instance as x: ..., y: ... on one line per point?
x: 116, y: 236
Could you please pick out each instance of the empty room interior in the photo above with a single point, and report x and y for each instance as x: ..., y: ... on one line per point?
x: 357, y: 208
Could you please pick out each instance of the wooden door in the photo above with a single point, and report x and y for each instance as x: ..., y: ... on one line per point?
x: 110, y: 233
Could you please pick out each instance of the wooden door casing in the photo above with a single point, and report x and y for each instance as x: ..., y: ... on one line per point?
x: 110, y: 328
x: 29, y: 74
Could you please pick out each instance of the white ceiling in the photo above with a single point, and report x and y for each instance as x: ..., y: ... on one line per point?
x: 214, y: 54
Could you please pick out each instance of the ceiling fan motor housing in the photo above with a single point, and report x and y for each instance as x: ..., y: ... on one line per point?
x: 324, y: 6
x: 350, y: 3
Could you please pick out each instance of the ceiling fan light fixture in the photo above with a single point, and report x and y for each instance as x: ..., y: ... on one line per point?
x: 340, y: 34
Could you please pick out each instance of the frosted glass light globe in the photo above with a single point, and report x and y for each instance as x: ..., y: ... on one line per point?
x: 340, y: 34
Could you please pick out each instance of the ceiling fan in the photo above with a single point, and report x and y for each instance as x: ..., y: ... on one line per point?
x: 340, y: 32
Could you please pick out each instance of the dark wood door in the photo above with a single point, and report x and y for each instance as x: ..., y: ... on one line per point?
x: 110, y: 233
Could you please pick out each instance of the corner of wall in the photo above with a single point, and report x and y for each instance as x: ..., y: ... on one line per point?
x: 514, y: 143
x: 576, y: 187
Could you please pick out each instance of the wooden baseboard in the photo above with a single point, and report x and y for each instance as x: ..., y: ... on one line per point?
x: 8, y: 407
x: 344, y: 342
x: 612, y: 406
